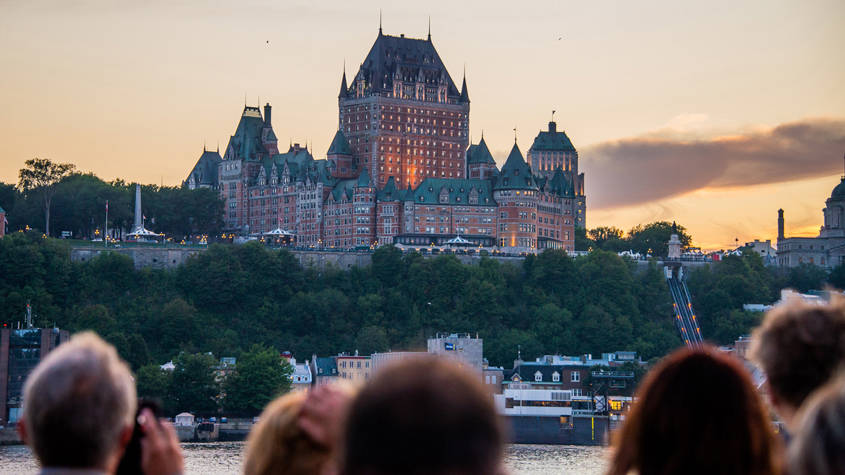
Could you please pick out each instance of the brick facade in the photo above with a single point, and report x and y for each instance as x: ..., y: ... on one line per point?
x: 400, y: 169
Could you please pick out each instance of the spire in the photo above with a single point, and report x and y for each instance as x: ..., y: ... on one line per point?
x: 379, y: 22
x: 464, y: 93
x: 344, y: 89
x: 429, y: 28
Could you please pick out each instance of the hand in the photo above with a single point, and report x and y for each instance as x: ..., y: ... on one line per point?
x: 322, y: 414
x: 160, y: 451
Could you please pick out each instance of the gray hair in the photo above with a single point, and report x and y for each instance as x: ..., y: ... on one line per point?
x: 817, y: 446
x: 77, y: 402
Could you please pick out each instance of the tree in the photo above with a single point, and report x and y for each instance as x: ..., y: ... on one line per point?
x: 371, y: 339
x: 260, y: 376
x: 609, y: 238
x: 192, y: 386
x: 653, y: 238
x: 41, y: 175
x: 582, y: 241
x: 153, y: 382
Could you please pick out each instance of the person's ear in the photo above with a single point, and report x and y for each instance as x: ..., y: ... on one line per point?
x: 126, y: 435
x: 22, y: 431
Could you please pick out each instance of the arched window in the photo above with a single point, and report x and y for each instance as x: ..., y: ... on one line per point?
x: 538, y: 376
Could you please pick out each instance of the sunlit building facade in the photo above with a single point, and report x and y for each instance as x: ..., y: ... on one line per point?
x: 399, y: 170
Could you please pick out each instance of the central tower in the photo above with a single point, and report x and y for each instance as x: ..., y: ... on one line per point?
x: 402, y: 114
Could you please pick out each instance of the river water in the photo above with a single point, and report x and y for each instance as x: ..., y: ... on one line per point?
x: 225, y: 458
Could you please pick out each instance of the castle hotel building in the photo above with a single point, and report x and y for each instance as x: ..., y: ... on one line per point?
x: 400, y: 168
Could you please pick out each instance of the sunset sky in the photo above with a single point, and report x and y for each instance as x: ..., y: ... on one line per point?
x: 714, y: 114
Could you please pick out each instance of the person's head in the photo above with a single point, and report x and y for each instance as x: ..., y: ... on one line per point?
x: 697, y: 412
x: 79, y: 405
x: 818, y: 447
x: 277, y: 444
x: 799, y: 346
x: 425, y: 415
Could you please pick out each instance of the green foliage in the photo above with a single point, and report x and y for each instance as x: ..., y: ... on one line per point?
x: 229, y: 298
x: 259, y: 377
x: 78, y: 204
x: 192, y: 386
x: 39, y: 176
x: 650, y: 239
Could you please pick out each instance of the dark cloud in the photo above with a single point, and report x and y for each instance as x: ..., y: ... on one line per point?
x: 643, y: 169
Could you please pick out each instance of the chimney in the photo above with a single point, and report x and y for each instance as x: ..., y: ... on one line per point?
x: 267, y: 111
x: 552, y: 127
x: 780, y: 224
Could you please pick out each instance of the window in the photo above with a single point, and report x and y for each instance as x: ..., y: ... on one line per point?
x: 576, y: 392
x: 576, y: 377
x: 538, y: 376
x: 555, y: 377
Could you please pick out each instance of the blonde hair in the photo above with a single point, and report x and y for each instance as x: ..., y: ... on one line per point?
x: 77, y: 402
x: 276, y: 444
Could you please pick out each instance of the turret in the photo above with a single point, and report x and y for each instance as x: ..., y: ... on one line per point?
x: 464, y: 92
x: 344, y: 89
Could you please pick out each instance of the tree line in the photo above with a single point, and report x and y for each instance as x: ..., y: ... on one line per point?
x: 52, y: 197
x: 229, y: 298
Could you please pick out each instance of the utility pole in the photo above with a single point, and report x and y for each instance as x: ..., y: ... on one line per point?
x: 106, y: 234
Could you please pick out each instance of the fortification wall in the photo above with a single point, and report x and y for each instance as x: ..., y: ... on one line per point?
x: 156, y: 258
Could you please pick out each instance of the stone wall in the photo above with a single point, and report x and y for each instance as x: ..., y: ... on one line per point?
x: 154, y: 257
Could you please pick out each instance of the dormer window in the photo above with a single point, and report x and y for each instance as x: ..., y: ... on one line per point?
x: 555, y: 377
x: 538, y: 377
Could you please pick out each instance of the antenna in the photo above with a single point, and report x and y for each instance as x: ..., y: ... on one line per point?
x: 429, y: 36
x: 553, y: 115
x: 514, y: 135
x: 379, y: 21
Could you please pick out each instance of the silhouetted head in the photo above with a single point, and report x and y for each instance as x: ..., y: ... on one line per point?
x: 818, y: 447
x: 799, y: 346
x: 425, y: 415
x: 79, y: 405
x: 697, y: 413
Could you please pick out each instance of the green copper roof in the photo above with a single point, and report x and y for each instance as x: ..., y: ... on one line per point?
x: 839, y: 191
x: 408, y: 194
x: 552, y: 140
x: 343, y: 187
x: 480, y: 153
x: 515, y: 174
x: 389, y: 192
x: 364, y: 179
x: 339, y: 146
x: 456, y: 191
x: 560, y: 184
x: 397, y: 58
x: 205, y: 170
x: 245, y: 144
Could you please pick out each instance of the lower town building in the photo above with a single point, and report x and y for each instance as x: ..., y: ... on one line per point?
x: 354, y: 368
x: 461, y: 347
x: 20, y: 352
